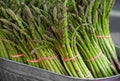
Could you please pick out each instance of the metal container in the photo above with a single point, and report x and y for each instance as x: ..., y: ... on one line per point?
x: 13, y: 71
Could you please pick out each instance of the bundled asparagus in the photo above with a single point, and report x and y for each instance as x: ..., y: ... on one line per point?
x: 68, y: 51
x: 25, y: 42
x: 64, y: 36
x: 101, y: 24
x: 88, y: 47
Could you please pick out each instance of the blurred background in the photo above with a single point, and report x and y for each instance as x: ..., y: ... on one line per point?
x: 115, y: 23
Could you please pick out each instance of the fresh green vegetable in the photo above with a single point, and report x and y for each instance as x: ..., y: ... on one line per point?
x: 69, y: 37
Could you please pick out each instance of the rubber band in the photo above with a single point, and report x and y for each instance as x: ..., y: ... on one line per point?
x: 42, y: 59
x: 103, y: 36
x: 69, y: 59
x: 94, y: 58
x: 33, y: 61
x: 18, y: 55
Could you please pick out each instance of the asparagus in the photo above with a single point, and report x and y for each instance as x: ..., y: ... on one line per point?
x: 26, y: 43
x: 87, y: 42
x: 71, y: 35
x: 100, y: 22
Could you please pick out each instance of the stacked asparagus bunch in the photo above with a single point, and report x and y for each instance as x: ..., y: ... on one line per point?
x: 86, y: 38
x: 69, y: 37
x: 27, y: 38
x: 101, y: 24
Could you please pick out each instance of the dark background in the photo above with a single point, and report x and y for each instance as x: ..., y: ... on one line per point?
x: 115, y: 23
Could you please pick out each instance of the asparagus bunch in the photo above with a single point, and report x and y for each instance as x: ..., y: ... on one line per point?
x: 87, y: 42
x: 28, y: 36
x: 93, y: 56
x: 69, y: 37
x: 101, y: 24
x: 65, y: 46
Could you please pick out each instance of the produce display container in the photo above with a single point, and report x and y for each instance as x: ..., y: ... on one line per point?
x: 13, y: 71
